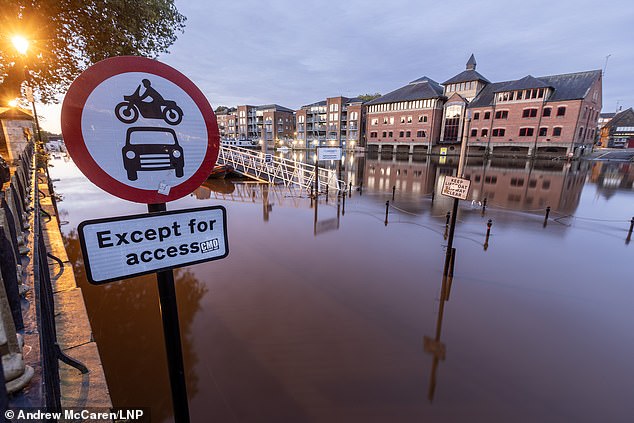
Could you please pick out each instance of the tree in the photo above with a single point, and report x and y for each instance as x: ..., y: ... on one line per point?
x: 368, y: 97
x: 66, y: 36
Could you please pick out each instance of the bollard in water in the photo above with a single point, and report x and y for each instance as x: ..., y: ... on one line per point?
x: 629, y: 234
x: 361, y: 188
x: 387, y: 210
x: 327, y: 191
x: 448, y: 217
x: 350, y: 190
x: 432, y: 198
x: 393, y: 191
x: 486, y: 239
x: 546, y: 217
x: 484, y: 206
x: 343, y: 210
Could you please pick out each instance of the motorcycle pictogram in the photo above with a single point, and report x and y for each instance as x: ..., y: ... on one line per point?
x: 158, y: 108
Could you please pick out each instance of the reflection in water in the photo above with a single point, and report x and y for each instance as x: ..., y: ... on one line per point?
x: 128, y: 313
x: 293, y: 327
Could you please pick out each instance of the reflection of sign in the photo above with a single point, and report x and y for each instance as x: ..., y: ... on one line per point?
x: 159, y: 144
x: 328, y: 153
x: 326, y: 225
x: 456, y: 187
x: 443, y: 151
x: 122, y: 247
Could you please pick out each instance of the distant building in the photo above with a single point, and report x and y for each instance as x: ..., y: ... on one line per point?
x: 554, y: 114
x: 17, y: 129
x: 276, y: 125
x: 247, y: 123
x: 227, y: 122
x: 619, y: 131
x: 336, y: 121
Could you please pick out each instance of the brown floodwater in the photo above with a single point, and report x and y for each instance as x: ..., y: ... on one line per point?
x: 330, y: 315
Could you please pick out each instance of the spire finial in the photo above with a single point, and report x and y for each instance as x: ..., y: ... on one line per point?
x: 471, y: 63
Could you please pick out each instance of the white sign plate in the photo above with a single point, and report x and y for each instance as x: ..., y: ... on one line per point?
x: 123, y: 247
x: 456, y: 187
x: 327, y: 153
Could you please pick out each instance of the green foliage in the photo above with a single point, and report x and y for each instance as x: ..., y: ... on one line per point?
x: 66, y: 36
x: 368, y: 97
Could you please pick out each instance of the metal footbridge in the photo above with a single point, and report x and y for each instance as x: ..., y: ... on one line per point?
x: 278, y: 170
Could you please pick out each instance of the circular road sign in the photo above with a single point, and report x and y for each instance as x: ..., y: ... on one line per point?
x: 140, y: 130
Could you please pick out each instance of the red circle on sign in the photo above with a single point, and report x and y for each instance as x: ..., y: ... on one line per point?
x: 73, y: 107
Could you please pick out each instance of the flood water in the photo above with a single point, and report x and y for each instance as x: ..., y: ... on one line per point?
x: 334, y: 316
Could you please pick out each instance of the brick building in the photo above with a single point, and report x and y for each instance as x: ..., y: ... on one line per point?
x: 276, y: 125
x: 227, y: 122
x: 408, y: 119
x: 337, y: 121
x: 619, y: 131
x: 554, y: 114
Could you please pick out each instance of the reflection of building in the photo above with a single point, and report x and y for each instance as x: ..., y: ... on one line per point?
x: 17, y: 130
x: 619, y: 131
x: 526, y: 185
x: 337, y: 121
x: 550, y: 114
x: 611, y: 176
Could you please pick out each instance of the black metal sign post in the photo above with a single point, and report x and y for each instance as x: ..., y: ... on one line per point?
x: 171, y: 333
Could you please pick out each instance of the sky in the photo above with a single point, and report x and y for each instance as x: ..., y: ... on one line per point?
x: 294, y: 53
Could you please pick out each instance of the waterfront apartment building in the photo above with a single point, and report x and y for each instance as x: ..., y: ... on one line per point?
x: 554, y: 114
x: 276, y: 125
x: 247, y: 123
x: 336, y: 121
x: 227, y: 122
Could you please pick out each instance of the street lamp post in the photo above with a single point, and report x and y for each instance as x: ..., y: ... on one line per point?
x: 21, y: 45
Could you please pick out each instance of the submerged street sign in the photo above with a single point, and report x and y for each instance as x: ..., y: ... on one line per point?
x: 122, y: 247
x: 140, y: 130
x: 328, y: 153
x: 456, y: 187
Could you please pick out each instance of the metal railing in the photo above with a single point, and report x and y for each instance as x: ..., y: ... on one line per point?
x: 278, y: 170
x: 50, y: 351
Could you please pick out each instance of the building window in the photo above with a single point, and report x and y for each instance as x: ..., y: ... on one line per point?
x: 375, y: 121
x: 474, y: 132
x: 476, y: 116
x: 408, y: 134
x: 502, y: 114
x: 498, y: 132
x: 391, y: 120
x: 557, y: 131
x: 529, y: 113
x: 543, y: 131
x: 452, y: 122
x: 526, y: 132
x: 401, y: 134
x: 402, y: 119
x: 373, y: 134
x: 384, y: 134
x: 385, y: 120
x: 546, y: 184
x: 490, y: 180
x: 546, y: 112
x: 581, y: 133
x: 561, y: 111
x: 420, y: 134
x: 485, y: 132
x: 409, y: 119
x: 390, y: 134
x: 517, y: 182
x: 487, y: 115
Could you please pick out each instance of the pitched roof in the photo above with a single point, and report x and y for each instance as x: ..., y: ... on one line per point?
x: 15, y: 113
x: 569, y: 86
x: 316, y: 104
x: 471, y: 63
x: 421, y: 88
x: 466, y: 76
x: 525, y: 83
x: 276, y: 107
x: 624, y: 118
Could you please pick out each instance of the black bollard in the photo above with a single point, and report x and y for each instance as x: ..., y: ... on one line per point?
x: 327, y: 192
x: 387, y: 210
x: 629, y: 234
x: 393, y: 192
x: 350, y: 189
x: 546, y: 217
x: 448, y: 217
x: 484, y: 206
x: 343, y: 210
x: 361, y: 188
x: 486, y: 239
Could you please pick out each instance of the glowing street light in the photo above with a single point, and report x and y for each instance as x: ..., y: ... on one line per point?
x: 20, y: 43
x: 14, y: 103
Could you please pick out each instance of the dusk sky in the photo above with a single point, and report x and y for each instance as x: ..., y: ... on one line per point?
x: 295, y: 53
